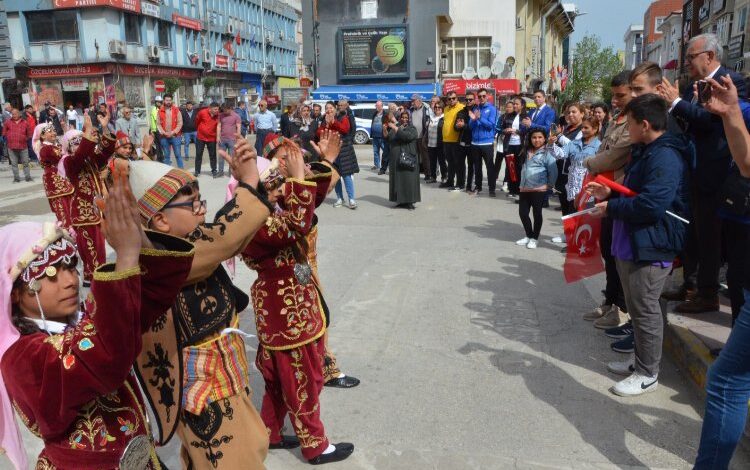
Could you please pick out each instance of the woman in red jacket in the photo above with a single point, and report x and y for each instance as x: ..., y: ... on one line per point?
x: 346, y: 163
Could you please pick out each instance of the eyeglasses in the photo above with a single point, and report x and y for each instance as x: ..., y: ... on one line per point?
x: 452, y: 98
x: 196, y: 206
x: 483, y: 96
x: 691, y: 57
x: 437, y: 107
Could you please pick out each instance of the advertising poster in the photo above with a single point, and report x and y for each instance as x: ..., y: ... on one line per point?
x: 373, y: 52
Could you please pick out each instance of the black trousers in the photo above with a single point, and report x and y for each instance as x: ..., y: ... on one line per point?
x: 515, y: 150
x: 736, y: 237
x: 531, y: 201
x: 199, y: 145
x: 479, y: 154
x: 613, y: 293
x: 456, y: 156
x: 702, y: 259
x: 385, y: 156
x: 157, y: 144
x: 437, y: 157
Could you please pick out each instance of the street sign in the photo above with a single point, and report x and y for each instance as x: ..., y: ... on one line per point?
x: 159, y: 86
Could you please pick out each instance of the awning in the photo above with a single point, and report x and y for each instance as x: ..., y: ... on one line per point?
x: 671, y: 65
x: 375, y: 92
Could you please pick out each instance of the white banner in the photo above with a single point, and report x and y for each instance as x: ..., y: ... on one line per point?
x: 75, y: 84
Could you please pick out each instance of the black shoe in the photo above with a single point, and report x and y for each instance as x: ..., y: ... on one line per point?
x: 444, y: 185
x: 29, y: 179
x: 195, y: 173
x: 286, y: 442
x: 558, y: 209
x: 545, y: 204
x: 16, y: 180
x: 343, y: 450
x: 373, y: 167
x: 347, y: 381
x: 621, y: 331
x: 411, y: 207
x: 493, y: 194
x: 214, y: 174
x: 625, y: 346
x: 381, y: 172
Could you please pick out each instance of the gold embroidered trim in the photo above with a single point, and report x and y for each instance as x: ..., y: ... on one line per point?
x: 102, y: 275
x: 318, y: 176
x: 158, y: 252
x: 297, y: 345
x: 302, y: 182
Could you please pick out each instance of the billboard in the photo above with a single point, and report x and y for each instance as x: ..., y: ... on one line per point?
x: 367, y: 52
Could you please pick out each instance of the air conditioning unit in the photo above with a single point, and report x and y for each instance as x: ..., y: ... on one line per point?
x: 230, y: 28
x: 444, y: 65
x: 153, y: 52
x: 443, y: 49
x: 206, y: 57
x: 269, y: 37
x: 116, y: 47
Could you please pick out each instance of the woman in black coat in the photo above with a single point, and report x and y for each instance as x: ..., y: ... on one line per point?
x: 433, y: 141
x: 403, y: 182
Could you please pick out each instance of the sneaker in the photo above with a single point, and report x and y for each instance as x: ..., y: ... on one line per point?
x: 352, y: 204
x: 612, y: 319
x: 374, y: 167
x: 625, y: 345
x: 523, y: 242
x: 625, y: 368
x: 29, y: 179
x: 504, y: 187
x: 621, y: 331
x: 456, y: 189
x: 634, y: 385
x: 493, y: 194
x: 597, y: 313
x: 559, y: 239
x: 532, y: 244
x: 338, y: 203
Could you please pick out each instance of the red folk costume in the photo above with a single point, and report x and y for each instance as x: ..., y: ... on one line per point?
x: 72, y: 385
x: 58, y: 188
x: 83, y: 169
x: 289, y: 319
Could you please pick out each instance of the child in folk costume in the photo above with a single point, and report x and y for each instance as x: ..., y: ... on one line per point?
x: 194, y: 368
x: 57, y: 187
x: 70, y: 380
x: 289, y: 314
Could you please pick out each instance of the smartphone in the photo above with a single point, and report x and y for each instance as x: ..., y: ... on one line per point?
x: 704, y: 91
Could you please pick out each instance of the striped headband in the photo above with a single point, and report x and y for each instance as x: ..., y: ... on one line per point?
x: 163, y: 191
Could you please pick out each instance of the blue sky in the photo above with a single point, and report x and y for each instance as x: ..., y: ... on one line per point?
x: 608, y: 19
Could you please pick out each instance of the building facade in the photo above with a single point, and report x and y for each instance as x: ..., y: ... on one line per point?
x: 121, y: 51
x: 671, y: 41
x: 633, y: 46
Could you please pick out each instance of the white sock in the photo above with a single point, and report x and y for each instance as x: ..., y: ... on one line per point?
x: 331, y: 448
x: 341, y: 375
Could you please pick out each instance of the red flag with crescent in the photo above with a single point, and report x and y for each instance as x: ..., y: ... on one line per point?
x: 584, y: 254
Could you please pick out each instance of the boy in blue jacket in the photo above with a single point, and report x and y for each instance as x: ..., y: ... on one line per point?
x: 645, y: 239
x: 482, y: 124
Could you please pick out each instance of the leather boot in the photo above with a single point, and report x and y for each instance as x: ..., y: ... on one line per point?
x: 681, y: 294
x: 699, y: 304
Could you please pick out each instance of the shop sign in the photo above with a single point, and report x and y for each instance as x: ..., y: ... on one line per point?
x: 373, y: 52
x: 150, y: 9
x: 500, y: 86
x: 127, y: 5
x: 271, y: 100
x: 75, y: 84
x: 157, y: 71
x: 185, y: 22
x: 292, y: 95
x: 305, y: 82
x: 221, y: 61
x: 69, y: 71
x: 704, y: 13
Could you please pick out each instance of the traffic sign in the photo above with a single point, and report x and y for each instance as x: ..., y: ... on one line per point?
x: 159, y: 86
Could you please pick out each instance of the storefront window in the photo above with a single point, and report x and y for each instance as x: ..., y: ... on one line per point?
x: 59, y: 25
x: 132, y: 28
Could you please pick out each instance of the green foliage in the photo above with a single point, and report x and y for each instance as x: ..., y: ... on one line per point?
x: 209, y: 82
x: 172, y: 84
x: 592, y: 70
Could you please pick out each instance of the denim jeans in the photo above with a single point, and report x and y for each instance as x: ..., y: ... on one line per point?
x: 727, y: 393
x: 349, y: 183
x: 378, y: 146
x: 188, y: 137
x: 227, y: 145
x: 174, y: 143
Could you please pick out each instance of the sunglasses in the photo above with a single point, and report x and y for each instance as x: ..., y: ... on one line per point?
x: 483, y: 96
x: 469, y: 99
x: 452, y: 98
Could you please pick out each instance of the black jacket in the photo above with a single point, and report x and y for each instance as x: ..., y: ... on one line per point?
x: 465, y: 137
x: 188, y: 123
x: 425, y: 136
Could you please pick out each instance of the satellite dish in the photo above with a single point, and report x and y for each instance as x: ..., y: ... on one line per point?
x: 468, y: 73
x: 511, y: 61
x: 497, y: 68
x: 495, y: 47
x: 484, y: 73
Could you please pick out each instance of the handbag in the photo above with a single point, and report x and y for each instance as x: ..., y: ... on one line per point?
x: 735, y: 195
x: 407, y: 161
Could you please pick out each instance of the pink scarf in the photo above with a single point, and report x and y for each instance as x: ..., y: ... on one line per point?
x: 65, y: 142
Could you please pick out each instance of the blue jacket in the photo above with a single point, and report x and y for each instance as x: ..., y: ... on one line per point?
x: 543, y: 118
x: 659, y: 173
x: 483, y: 128
x: 541, y: 168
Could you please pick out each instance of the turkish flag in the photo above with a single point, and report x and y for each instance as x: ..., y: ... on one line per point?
x: 583, y: 257
x: 228, y: 47
x: 510, y: 162
x: 237, y: 38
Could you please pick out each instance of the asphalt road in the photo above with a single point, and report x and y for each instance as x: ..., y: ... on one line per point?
x: 471, y: 350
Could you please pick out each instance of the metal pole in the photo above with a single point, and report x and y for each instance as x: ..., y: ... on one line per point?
x: 263, y: 33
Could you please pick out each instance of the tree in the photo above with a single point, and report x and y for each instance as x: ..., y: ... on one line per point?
x: 592, y: 69
x: 171, y: 85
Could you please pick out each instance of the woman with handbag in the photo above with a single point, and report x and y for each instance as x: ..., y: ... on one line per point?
x: 403, y: 176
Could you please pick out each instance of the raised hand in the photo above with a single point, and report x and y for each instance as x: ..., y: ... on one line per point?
x: 122, y: 229
x: 104, y: 121
x: 243, y: 164
x: 724, y: 97
x: 668, y: 91
x: 599, y: 191
x: 147, y: 143
x: 295, y: 163
x: 329, y: 146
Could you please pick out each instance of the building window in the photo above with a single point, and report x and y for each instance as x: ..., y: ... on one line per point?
x: 468, y: 52
x: 369, y: 9
x: 657, y: 24
x: 164, y: 32
x: 46, y: 26
x: 132, y: 28
x: 741, y: 21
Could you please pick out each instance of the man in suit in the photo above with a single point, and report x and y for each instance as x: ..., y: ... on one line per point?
x: 699, y: 292
x: 543, y: 116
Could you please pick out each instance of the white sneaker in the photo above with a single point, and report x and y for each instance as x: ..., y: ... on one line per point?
x: 635, y: 385
x: 338, y: 203
x: 523, y: 242
x: 559, y: 239
x: 504, y: 188
x: 532, y: 244
x: 625, y: 368
x: 352, y: 204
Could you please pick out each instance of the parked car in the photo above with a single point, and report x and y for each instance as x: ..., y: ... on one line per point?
x: 363, y: 114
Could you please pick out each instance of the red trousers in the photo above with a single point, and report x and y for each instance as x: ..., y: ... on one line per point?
x: 91, y: 249
x: 294, y: 380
